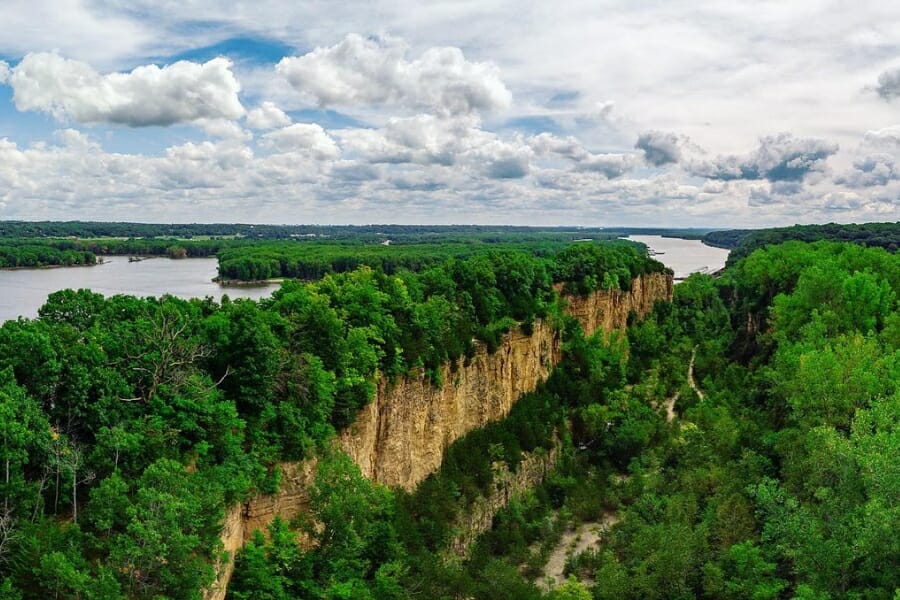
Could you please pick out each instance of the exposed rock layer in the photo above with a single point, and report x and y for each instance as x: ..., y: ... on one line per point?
x: 479, y: 516
x: 400, y: 437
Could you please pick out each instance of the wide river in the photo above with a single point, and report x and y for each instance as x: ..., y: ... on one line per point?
x: 23, y: 291
x: 683, y: 256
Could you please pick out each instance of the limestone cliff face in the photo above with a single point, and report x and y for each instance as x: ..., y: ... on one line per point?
x: 232, y: 541
x: 401, y: 436
x: 608, y: 310
x: 479, y: 516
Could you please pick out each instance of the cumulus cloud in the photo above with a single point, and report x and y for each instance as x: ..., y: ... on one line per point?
x: 889, y: 84
x: 149, y: 95
x: 267, y: 116
x: 660, y: 148
x: 4, y: 71
x: 842, y: 201
x: 502, y: 160
x: 886, y: 137
x: 72, y: 138
x: 422, y: 139
x: 351, y: 171
x: 871, y: 170
x: 440, y: 141
x: 609, y: 165
x: 303, y: 138
x: 547, y: 144
x: 359, y: 71
x: 780, y: 157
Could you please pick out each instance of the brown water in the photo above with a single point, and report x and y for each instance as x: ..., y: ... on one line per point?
x: 23, y: 291
x: 683, y: 256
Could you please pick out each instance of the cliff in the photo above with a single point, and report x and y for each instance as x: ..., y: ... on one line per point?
x: 400, y: 437
x: 608, y: 309
x: 479, y: 516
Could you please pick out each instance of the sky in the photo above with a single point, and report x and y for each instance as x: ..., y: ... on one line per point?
x: 593, y: 113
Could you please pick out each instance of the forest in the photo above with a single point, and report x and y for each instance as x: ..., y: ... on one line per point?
x: 130, y: 425
x: 742, y: 242
x: 774, y: 475
x: 740, y: 442
x: 256, y: 252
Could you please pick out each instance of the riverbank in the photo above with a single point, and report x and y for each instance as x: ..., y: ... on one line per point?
x: 241, y: 283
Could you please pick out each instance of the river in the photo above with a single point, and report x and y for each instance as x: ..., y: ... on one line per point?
x: 683, y: 256
x: 24, y: 291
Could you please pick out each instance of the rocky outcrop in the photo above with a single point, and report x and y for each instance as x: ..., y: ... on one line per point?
x: 609, y: 309
x: 400, y: 437
x: 479, y: 516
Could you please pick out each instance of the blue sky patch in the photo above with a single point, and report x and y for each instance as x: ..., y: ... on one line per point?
x: 252, y: 50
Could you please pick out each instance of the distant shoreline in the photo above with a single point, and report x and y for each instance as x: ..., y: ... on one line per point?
x: 44, y: 267
x: 249, y: 282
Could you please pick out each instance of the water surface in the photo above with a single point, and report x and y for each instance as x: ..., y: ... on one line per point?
x: 683, y: 256
x: 23, y: 291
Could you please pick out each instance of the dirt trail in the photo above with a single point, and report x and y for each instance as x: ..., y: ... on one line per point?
x: 573, y: 543
x: 691, y: 381
x: 670, y: 403
x: 670, y: 407
x: 587, y: 535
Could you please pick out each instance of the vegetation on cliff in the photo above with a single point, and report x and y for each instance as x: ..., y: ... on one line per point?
x: 129, y: 425
x: 778, y: 482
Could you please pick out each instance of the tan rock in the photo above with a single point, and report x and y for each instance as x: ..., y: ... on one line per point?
x: 400, y: 437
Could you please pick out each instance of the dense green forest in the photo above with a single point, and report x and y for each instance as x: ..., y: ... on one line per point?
x: 776, y: 476
x: 350, y: 233
x: 741, y: 442
x: 742, y: 242
x: 254, y: 252
x: 42, y: 255
x: 129, y: 425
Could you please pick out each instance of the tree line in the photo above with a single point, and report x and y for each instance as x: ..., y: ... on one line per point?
x: 129, y: 425
x: 779, y: 481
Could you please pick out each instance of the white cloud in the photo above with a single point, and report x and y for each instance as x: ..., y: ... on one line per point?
x: 267, y: 116
x: 503, y: 160
x: 781, y: 157
x: 422, y: 139
x: 610, y: 165
x: 889, y: 84
x: 303, y: 138
x: 359, y: 72
x: 148, y: 95
x: 72, y: 138
x: 871, y: 170
x: 4, y: 71
x: 886, y: 137
x: 660, y: 148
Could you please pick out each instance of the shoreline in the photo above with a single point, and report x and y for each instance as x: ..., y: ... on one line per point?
x: 226, y: 283
x: 44, y: 267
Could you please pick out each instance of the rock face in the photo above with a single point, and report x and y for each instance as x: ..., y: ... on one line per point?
x: 608, y: 310
x: 400, y: 437
x: 479, y: 516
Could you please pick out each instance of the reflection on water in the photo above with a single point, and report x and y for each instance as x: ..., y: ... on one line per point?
x: 23, y: 291
x: 683, y: 256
